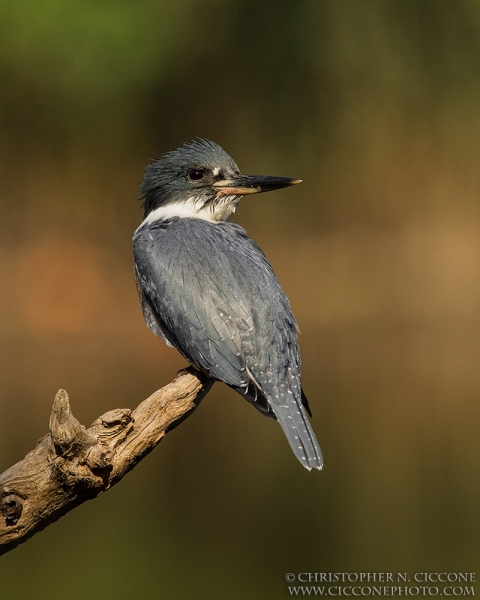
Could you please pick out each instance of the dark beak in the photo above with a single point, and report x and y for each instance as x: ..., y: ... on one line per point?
x: 252, y: 184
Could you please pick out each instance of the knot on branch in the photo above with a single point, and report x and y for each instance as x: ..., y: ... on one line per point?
x: 69, y: 437
x: 11, y: 508
x: 79, y: 459
x: 114, y: 425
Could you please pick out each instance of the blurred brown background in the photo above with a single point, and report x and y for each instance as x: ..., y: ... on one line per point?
x: 376, y: 105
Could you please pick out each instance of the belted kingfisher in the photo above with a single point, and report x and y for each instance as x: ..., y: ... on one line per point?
x: 208, y: 290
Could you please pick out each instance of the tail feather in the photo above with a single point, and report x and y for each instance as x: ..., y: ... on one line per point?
x: 296, y: 427
x: 290, y: 412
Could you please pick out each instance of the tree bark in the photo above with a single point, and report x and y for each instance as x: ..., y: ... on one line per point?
x: 73, y: 464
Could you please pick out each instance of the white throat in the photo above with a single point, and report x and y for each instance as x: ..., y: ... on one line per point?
x: 193, y: 208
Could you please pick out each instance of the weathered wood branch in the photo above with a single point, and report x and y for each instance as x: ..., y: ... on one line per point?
x: 73, y: 464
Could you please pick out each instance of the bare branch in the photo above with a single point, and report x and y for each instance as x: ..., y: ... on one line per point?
x: 73, y: 464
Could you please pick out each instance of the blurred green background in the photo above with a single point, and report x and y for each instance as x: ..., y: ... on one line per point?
x: 375, y: 104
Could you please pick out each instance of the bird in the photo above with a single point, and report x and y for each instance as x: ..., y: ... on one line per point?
x: 208, y: 290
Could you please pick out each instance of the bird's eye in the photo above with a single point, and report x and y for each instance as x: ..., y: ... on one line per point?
x: 196, y: 174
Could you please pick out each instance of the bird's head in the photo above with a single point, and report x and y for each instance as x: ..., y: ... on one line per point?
x: 200, y: 179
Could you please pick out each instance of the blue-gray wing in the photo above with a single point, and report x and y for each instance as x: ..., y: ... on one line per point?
x: 191, y: 299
